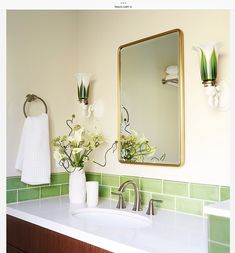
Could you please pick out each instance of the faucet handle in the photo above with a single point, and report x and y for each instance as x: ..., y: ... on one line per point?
x: 150, y: 210
x: 121, y: 203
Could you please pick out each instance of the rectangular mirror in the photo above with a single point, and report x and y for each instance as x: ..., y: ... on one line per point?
x: 151, y: 100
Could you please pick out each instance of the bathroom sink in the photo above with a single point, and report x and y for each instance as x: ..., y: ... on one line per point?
x: 111, y: 218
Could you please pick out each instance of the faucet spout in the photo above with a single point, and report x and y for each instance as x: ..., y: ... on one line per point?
x: 137, y: 200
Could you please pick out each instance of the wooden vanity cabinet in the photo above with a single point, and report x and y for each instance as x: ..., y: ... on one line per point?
x: 11, y: 249
x: 25, y: 237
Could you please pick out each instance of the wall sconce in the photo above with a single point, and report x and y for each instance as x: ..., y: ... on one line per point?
x: 208, y: 67
x: 83, y: 86
x: 171, y: 76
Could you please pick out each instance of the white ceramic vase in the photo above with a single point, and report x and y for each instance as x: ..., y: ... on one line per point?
x: 77, y: 186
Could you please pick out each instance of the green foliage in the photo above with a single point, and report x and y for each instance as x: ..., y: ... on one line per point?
x: 134, y: 149
x: 213, y: 65
x: 208, y: 62
x: 204, y: 75
x: 83, y: 92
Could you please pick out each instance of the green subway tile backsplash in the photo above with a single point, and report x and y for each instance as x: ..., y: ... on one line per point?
x: 168, y: 201
x: 28, y: 194
x: 218, y: 234
x: 191, y: 206
x: 218, y: 248
x: 111, y: 180
x: 175, y: 188
x: 206, y: 192
x: 60, y: 178
x: 151, y: 185
x: 50, y: 191
x: 64, y: 189
x: 179, y: 196
x: 219, y: 228
x: 93, y: 177
x: 11, y: 196
x: 15, y: 183
x: 224, y: 193
x: 145, y: 197
x: 125, y: 178
x: 104, y: 191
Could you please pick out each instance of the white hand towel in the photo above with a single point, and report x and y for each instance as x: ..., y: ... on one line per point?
x: 33, y: 157
x: 172, y: 70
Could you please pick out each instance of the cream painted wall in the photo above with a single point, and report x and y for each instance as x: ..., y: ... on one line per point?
x: 41, y: 59
x: 207, y: 156
x: 45, y: 50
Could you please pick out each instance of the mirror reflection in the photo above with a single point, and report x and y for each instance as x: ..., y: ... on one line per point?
x: 151, y: 100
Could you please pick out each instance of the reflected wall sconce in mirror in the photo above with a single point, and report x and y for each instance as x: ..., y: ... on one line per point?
x: 171, y: 76
x: 215, y: 91
x: 83, y: 87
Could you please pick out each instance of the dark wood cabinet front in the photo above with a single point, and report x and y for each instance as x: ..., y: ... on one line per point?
x: 98, y: 250
x: 17, y: 233
x: 25, y: 237
x: 11, y: 249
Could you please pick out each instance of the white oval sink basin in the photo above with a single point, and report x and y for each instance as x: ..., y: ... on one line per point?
x: 111, y: 218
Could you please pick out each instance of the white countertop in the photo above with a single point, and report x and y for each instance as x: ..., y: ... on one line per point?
x: 169, y: 232
x: 221, y: 209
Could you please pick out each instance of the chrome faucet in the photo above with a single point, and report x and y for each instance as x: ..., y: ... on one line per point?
x: 137, y: 201
x: 150, y: 210
x: 121, y: 203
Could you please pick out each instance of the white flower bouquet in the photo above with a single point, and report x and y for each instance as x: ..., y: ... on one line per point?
x: 134, y: 148
x: 74, y: 150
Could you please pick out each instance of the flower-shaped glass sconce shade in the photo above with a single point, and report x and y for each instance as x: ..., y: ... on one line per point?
x: 83, y: 82
x: 208, y: 62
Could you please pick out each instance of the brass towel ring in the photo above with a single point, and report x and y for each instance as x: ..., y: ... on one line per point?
x: 31, y: 98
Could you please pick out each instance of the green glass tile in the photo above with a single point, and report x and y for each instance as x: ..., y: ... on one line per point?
x: 203, y: 191
x: 145, y: 197
x: 125, y: 194
x: 168, y: 201
x: 111, y: 180
x: 64, y: 189
x: 126, y: 178
x: 218, y: 248
x: 219, y: 229
x: 93, y: 177
x: 175, y: 188
x: 15, y: 183
x: 11, y: 196
x: 37, y: 185
x: 28, y: 194
x: 50, y: 191
x: 191, y: 206
x: 104, y: 191
x: 224, y: 193
x: 207, y: 203
x: 151, y: 185
x: 60, y: 178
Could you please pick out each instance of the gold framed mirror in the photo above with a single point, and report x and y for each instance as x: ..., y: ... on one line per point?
x: 151, y: 100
